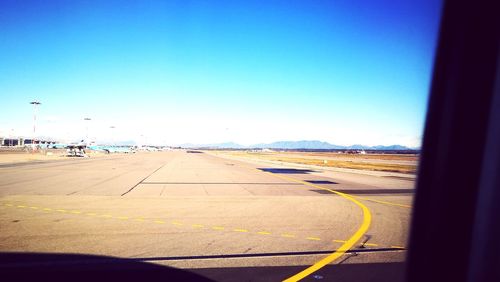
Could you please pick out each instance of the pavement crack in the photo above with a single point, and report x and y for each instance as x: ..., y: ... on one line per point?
x: 132, y: 188
x: 348, y: 256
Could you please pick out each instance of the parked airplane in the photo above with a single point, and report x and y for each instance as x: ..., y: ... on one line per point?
x: 78, y: 148
x: 112, y: 149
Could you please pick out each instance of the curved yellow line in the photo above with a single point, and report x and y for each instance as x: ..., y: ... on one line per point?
x: 361, y: 198
x: 367, y: 218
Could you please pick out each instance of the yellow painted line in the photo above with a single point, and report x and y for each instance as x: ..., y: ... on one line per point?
x: 367, y: 218
x: 35, y: 208
x: 122, y: 217
x: 21, y: 206
x: 382, y: 202
x: 264, y: 233
x: 370, y: 244
x: 334, y: 255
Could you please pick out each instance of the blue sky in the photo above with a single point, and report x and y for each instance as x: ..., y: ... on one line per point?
x: 346, y: 72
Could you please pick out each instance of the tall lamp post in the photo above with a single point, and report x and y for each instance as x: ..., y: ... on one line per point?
x: 35, y: 106
x: 87, y: 120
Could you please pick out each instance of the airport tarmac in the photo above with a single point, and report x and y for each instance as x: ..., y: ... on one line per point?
x: 225, y: 219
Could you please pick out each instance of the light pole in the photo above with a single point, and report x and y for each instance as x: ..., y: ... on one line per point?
x: 35, y: 106
x: 87, y: 120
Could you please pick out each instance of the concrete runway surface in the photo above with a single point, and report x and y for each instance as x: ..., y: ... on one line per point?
x: 222, y: 218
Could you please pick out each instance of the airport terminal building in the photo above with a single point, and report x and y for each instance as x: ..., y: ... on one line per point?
x: 22, y: 141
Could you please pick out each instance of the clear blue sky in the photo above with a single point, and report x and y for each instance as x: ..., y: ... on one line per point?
x: 211, y: 71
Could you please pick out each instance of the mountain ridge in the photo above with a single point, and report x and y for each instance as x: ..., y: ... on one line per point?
x: 301, y: 144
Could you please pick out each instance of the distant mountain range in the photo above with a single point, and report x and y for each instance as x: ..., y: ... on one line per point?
x: 304, y: 144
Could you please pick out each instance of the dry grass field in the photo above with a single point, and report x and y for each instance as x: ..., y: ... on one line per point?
x: 374, y: 162
x: 390, y: 157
